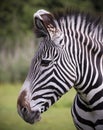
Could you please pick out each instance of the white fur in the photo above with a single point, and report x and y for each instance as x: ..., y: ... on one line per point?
x: 26, y: 86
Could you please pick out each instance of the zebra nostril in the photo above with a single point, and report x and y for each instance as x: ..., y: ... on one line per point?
x: 24, y: 110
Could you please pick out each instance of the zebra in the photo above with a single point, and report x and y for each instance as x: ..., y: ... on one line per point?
x: 70, y: 54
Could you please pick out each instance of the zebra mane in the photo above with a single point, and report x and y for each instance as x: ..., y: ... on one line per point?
x: 94, y: 22
x: 88, y: 17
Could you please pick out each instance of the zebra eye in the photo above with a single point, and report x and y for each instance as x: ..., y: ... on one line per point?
x: 45, y: 62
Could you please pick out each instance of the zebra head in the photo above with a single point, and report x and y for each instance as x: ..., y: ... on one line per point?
x: 51, y: 73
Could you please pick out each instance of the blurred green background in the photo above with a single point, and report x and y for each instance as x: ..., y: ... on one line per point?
x: 17, y: 47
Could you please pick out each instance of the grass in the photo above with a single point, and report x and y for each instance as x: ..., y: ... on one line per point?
x: 58, y: 117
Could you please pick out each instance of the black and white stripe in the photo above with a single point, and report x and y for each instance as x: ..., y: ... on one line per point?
x: 70, y: 54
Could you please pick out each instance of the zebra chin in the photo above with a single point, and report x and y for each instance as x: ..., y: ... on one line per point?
x: 30, y: 116
x: 34, y: 117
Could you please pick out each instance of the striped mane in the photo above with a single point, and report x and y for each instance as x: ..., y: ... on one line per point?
x: 94, y: 22
x: 88, y: 17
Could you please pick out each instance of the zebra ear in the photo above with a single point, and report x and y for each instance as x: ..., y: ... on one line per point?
x: 44, y: 23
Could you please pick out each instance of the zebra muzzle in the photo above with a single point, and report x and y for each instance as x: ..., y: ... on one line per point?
x: 32, y: 116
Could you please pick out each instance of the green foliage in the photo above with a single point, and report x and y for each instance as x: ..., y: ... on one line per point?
x: 14, y: 72
x: 14, y: 61
x: 56, y: 118
x: 97, y: 4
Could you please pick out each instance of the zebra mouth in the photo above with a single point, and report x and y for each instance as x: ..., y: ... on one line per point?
x: 32, y: 117
x: 35, y: 117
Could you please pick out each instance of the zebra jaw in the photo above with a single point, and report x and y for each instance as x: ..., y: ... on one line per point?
x: 24, y: 109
